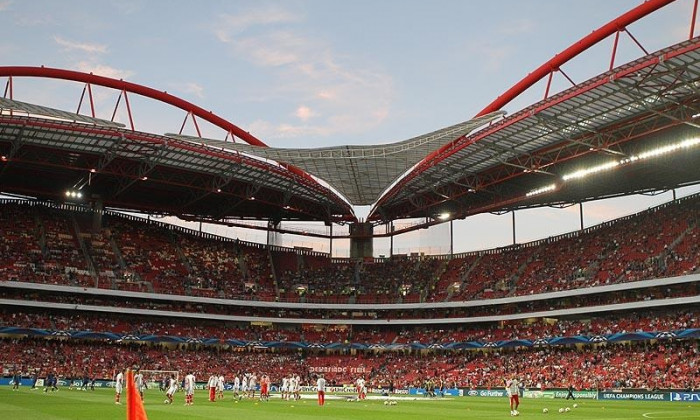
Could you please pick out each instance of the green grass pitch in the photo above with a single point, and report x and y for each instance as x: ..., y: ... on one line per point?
x: 99, y: 405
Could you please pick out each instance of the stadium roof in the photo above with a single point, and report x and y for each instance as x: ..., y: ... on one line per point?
x: 648, y: 103
x: 46, y: 152
x: 637, y: 107
x: 360, y: 173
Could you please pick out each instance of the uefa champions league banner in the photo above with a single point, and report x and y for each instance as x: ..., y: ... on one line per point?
x: 634, y: 395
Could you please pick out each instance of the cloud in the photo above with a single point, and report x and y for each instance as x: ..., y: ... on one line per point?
x: 232, y: 24
x: 192, y: 89
x: 5, y: 4
x: 34, y: 20
x: 490, y: 57
x: 304, y: 113
x: 340, y: 94
x: 517, y: 27
x: 271, y: 50
x: 127, y: 7
x: 81, y: 46
x: 103, y: 70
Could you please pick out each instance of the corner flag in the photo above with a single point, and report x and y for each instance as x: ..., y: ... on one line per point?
x: 134, y: 405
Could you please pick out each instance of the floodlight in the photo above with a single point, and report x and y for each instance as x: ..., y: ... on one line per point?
x: 582, y: 173
x: 542, y: 190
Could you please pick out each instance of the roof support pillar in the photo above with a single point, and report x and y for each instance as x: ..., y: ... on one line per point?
x: 452, y: 238
x: 361, y: 245
x: 330, y: 241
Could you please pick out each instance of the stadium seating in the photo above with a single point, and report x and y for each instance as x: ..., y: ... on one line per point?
x: 48, y: 245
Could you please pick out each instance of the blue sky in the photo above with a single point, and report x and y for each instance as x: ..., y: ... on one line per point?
x: 319, y: 73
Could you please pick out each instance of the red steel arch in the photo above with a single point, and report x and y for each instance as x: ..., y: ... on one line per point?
x: 582, y: 45
x: 93, y: 79
x: 162, y: 96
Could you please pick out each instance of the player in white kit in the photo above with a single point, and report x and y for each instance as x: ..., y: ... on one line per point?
x: 172, y: 387
x: 252, y: 383
x: 244, y: 385
x: 284, y: 390
x: 220, y: 387
x: 118, y: 386
x: 321, y: 389
x: 513, y: 391
x: 361, y: 389
x: 189, y: 388
x: 139, y: 382
x: 236, y: 386
x: 297, y: 387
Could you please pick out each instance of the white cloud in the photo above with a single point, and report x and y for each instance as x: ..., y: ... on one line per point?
x: 103, y: 70
x: 128, y: 7
x: 192, y: 89
x: 490, y: 57
x: 304, y: 113
x: 271, y: 50
x: 231, y: 24
x: 340, y: 94
x: 81, y: 46
x: 517, y: 27
x: 34, y: 20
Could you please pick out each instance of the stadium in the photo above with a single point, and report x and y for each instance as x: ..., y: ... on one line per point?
x: 112, y: 256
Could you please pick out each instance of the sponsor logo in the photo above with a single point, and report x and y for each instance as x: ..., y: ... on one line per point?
x: 492, y: 393
x: 685, y: 396
x: 473, y: 393
x: 533, y: 394
x: 577, y: 394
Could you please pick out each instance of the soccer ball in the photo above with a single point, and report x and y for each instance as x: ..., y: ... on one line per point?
x: 561, y: 410
x: 545, y: 410
x: 575, y: 405
x: 166, y: 401
x: 516, y: 412
x: 567, y: 409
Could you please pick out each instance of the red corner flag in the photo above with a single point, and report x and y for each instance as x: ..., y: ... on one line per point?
x: 134, y: 405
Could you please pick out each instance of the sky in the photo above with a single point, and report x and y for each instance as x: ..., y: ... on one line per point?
x: 318, y: 73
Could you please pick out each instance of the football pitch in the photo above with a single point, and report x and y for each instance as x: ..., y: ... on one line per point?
x: 99, y: 405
